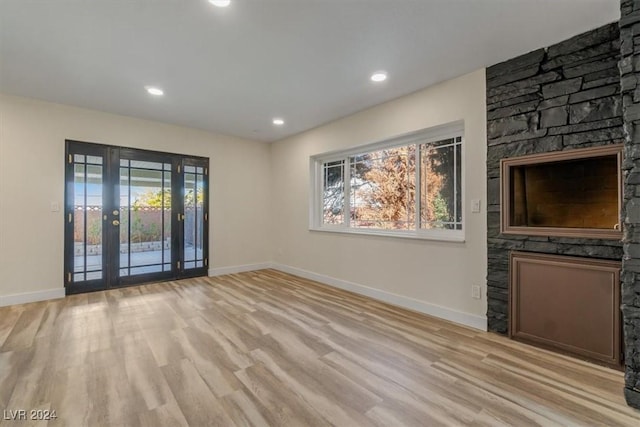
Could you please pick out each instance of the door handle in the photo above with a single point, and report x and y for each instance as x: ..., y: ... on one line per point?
x: 115, y: 222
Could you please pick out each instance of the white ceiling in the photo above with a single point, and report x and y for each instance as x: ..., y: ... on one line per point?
x: 232, y: 70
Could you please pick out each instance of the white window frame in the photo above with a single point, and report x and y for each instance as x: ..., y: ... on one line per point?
x: 424, y: 136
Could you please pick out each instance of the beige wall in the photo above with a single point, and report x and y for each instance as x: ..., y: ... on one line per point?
x: 32, y: 143
x: 429, y: 275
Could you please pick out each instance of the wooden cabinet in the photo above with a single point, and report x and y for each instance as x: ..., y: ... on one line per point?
x: 568, y: 304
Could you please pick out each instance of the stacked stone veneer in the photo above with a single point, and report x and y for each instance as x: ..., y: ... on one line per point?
x: 563, y: 97
x: 630, y: 79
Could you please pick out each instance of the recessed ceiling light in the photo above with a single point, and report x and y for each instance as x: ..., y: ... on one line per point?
x: 379, y: 76
x: 220, y: 3
x: 278, y: 122
x: 156, y: 91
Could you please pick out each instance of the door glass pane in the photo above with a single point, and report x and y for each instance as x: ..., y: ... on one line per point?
x: 138, y: 164
x: 145, y: 210
x: 193, y: 224
x: 124, y: 219
x: 96, y: 160
x: 79, y: 245
x: 199, y: 219
x: 166, y: 218
x: 189, y: 218
x: 87, y: 218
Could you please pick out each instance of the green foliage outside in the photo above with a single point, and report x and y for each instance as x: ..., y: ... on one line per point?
x: 146, y: 218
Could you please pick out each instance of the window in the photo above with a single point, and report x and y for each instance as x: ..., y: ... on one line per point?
x: 409, y: 186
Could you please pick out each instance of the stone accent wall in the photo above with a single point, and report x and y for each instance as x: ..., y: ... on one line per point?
x: 630, y: 78
x: 563, y: 97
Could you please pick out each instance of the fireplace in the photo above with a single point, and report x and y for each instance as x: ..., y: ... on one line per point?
x: 573, y: 193
x: 569, y: 304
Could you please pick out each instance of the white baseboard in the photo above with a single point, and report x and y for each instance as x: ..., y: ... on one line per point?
x: 474, y: 321
x: 48, y: 294
x: 471, y: 320
x: 27, y: 297
x: 221, y: 271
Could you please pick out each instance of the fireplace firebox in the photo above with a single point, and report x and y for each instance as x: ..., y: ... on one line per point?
x: 573, y: 193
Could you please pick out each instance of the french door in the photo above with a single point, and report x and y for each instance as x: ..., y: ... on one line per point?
x: 133, y: 216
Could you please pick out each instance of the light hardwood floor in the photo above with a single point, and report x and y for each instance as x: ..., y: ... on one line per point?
x: 267, y: 348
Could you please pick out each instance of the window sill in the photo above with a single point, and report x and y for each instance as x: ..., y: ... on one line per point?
x: 438, y: 236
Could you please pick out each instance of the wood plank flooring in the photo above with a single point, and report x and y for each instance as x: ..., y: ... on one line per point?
x: 269, y: 349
